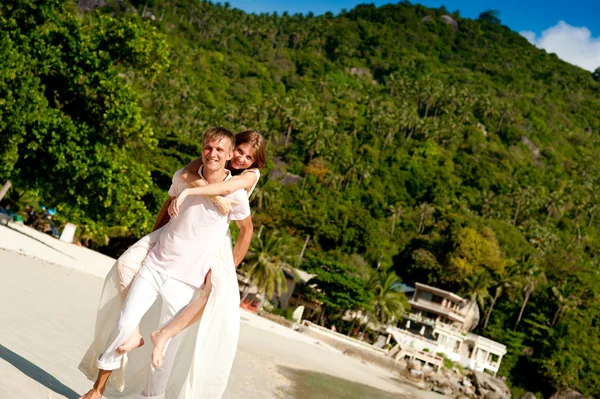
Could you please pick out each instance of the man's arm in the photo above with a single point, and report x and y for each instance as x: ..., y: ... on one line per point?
x: 243, y: 242
x: 163, y: 216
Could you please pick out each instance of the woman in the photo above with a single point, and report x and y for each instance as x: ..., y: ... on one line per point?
x: 249, y: 156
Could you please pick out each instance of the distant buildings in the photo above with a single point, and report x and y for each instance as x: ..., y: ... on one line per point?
x: 293, y: 296
x: 437, y: 324
x: 297, y: 287
x: 430, y: 304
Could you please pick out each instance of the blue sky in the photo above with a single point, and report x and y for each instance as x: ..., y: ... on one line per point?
x: 519, y: 15
x: 576, y: 39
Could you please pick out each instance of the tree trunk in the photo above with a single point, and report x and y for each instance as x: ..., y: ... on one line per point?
x: 556, y: 315
x: 245, y: 294
x: 322, y: 317
x: 550, y: 210
x: 421, y: 224
x: 352, y: 325
x: 500, y: 124
x: 5, y: 189
x: 364, y: 327
x: 289, y: 134
x: 517, y: 211
x: 527, y: 294
x: 304, y: 247
x: 489, y: 312
x: 304, y: 183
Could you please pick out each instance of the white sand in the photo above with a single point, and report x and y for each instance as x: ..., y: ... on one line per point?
x: 49, y: 293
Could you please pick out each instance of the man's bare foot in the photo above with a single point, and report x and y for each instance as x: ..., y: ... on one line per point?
x: 134, y: 341
x: 94, y: 393
x: 158, y: 340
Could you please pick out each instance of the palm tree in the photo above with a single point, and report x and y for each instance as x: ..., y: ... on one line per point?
x: 265, y: 195
x: 503, y: 282
x: 532, y: 276
x: 565, y: 300
x: 477, y: 288
x: 425, y: 212
x: 396, y: 213
x: 267, y: 256
x: 388, y: 302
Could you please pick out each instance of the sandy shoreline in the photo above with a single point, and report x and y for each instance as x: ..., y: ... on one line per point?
x: 49, y: 293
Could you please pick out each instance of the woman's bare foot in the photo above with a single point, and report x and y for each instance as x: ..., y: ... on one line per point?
x: 134, y: 341
x: 94, y: 393
x: 158, y: 340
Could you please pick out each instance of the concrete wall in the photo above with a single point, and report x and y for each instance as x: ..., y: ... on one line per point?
x: 351, y: 347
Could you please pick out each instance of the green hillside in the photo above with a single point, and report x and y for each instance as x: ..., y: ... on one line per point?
x: 447, y: 150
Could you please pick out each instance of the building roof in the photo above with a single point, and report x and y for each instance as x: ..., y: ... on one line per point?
x: 407, y: 289
x: 303, y: 276
x: 446, y: 294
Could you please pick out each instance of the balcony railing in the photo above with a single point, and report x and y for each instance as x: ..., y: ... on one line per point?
x: 434, y: 307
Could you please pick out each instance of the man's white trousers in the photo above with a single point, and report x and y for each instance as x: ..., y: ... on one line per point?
x: 145, y: 289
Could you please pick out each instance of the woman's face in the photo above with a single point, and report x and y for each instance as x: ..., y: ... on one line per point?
x: 243, y: 156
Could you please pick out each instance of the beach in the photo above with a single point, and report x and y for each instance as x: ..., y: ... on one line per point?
x: 49, y: 293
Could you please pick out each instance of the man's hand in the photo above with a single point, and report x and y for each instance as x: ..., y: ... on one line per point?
x: 223, y: 204
x: 176, y: 203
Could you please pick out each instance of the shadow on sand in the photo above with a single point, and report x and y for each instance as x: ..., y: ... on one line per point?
x: 36, y: 373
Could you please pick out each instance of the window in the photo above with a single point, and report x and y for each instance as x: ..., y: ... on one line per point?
x: 426, y: 296
x: 456, y: 346
x: 494, y: 358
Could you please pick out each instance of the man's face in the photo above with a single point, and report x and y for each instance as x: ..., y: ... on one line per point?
x: 216, y: 153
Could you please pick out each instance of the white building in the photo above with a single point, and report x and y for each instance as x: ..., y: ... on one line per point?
x: 431, y: 304
x: 435, y: 325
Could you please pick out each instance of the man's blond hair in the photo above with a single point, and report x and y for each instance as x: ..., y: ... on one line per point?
x: 218, y: 134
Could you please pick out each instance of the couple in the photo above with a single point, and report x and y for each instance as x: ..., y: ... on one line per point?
x: 188, y: 261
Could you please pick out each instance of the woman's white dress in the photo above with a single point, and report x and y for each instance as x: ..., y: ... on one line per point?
x: 207, y: 349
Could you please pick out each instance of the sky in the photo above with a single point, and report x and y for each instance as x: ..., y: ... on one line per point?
x: 571, y: 29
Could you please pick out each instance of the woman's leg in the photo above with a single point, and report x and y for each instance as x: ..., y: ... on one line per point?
x: 191, y: 314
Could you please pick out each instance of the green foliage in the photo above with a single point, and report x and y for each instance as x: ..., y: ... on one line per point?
x: 267, y: 257
x: 71, y: 125
x: 448, y: 363
x: 336, y: 285
x: 388, y: 302
x: 490, y: 16
x: 475, y: 253
x: 286, y: 313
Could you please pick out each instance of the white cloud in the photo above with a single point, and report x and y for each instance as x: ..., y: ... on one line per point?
x: 529, y: 35
x: 570, y: 43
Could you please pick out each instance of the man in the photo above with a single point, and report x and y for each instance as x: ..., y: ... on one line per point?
x: 177, y: 265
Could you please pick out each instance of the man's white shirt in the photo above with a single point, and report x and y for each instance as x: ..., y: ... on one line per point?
x: 186, y: 247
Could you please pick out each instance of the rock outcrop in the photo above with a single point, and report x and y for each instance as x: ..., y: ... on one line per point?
x: 489, y: 387
x: 456, y: 384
